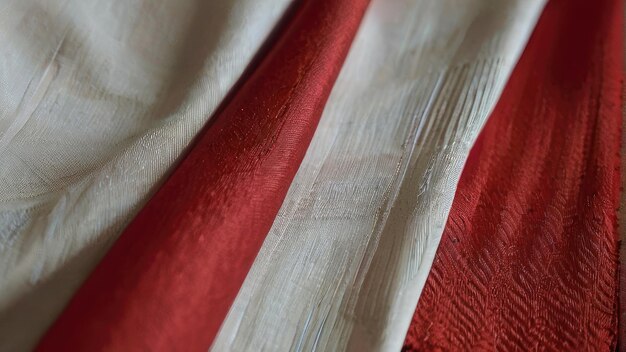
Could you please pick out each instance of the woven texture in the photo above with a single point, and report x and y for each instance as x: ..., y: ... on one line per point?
x: 349, y: 251
x: 98, y: 98
x: 169, y: 280
x: 622, y: 213
x: 528, y: 260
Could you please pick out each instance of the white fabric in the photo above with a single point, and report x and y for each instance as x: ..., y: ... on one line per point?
x: 350, y: 250
x: 97, y: 99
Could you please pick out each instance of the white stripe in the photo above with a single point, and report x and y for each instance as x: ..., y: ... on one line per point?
x: 350, y: 250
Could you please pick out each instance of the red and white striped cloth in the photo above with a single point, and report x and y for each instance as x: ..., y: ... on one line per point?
x: 286, y: 175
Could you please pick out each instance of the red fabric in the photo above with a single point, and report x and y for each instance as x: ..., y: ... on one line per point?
x: 528, y: 259
x: 169, y: 280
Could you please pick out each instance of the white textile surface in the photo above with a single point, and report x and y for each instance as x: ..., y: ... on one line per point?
x: 98, y: 98
x: 349, y: 253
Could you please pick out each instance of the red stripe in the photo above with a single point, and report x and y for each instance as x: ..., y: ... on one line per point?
x: 168, y: 282
x: 528, y: 259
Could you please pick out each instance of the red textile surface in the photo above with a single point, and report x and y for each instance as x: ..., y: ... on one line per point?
x: 528, y: 259
x: 169, y: 280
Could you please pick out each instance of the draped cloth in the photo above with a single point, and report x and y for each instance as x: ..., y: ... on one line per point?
x: 529, y: 255
x: 97, y: 101
x: 174, y: 146
x: 183, y: 258
x: 344, y: 263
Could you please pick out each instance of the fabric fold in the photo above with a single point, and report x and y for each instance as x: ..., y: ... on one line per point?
x: 169, y: 280
x: 98, y: 99
x: 529, y: 256
x: 347, y: 256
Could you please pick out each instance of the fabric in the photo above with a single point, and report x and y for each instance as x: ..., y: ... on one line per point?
x: 98, y: 98
x: 622, y: 215
x: 184, y: 257
x: 528, y: 259
x: 208, y: 107
x: 344, y: 263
